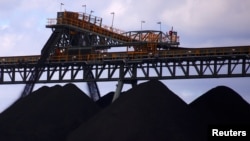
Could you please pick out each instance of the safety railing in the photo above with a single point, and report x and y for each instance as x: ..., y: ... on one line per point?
x: 19, y: 59
x: 135, y: 55
x: 90, y: 23
x: 131, y: 55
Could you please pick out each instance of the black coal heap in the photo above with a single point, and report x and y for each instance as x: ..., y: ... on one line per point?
x: 149, y: 111
x: 48, y: 114
x: 222, y: 105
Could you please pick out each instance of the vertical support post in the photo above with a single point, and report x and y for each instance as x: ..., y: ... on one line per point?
x: 1, y: 74
x: 201, y: 73
x: 134, y: 71
x: 120, y: 83
x: 243, y: 67
x: 174, y: 68
x: 92, y: 85
x: 25, y: 74
x: 187, y: 69
x: 118, y: 90
x: 229, y: 68
x: 215, y: 68
x: 134, y: 83
x: 13, y: 75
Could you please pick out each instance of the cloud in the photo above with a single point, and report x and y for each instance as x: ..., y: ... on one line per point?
x: 22, y: 27
x: 130, y: 13
x: 210, y: 19
x: 7, y: 7
x: 3, y: 27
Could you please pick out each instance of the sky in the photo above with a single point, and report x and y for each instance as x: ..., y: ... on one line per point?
x: 200, y: 23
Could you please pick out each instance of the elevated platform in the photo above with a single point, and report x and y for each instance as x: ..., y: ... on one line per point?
x: 83, y: 24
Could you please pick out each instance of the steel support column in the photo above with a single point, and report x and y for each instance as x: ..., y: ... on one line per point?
x: 118, y: 90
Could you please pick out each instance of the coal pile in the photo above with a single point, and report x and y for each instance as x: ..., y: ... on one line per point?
x: 48, y: 114
x: 222, y: 105
x: 106, y: 100
x: 148, y: 112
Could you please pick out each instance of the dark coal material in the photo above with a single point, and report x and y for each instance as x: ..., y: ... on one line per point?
x: 106, y: 100
x: 222, y: 105
x: 147, y: 112
x: 48, y: 114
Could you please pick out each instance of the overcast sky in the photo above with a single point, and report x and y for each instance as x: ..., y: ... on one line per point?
x: 200, y: 23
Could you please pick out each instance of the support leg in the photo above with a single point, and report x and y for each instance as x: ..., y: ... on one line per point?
x: 118, y: 90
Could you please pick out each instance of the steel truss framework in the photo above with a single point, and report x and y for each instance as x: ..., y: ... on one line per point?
x: 158, y: 68
x: 80, y: 36
x: 69, y: 35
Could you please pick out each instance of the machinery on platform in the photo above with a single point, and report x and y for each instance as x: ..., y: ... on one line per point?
x: 83, y: 37
x: 95, y: 39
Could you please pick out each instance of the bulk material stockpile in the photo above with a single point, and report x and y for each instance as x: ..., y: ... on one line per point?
x: 48, y: 114
x: 147, y: 112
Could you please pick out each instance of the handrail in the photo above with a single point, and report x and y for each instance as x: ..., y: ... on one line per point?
x: 199, y: 52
